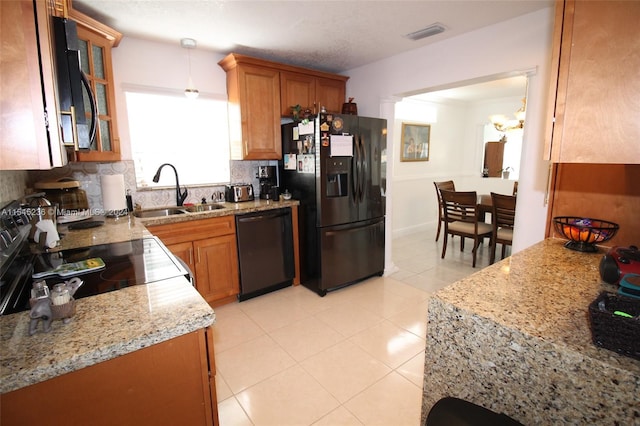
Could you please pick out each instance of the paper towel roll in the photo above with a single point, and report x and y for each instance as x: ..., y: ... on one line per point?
x: 113, y: 195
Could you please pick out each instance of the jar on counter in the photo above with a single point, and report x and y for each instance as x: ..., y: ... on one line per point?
x: 60, y: 295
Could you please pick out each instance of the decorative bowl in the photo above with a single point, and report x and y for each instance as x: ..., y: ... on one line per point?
x: 584, y: 233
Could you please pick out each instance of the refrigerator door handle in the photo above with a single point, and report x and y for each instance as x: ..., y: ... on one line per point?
x: 355, y: 171
x: 364, y: 167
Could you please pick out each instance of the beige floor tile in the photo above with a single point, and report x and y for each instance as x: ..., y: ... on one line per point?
x: 414, y: 369
x: 230, y: 413
x: 308, y: 300
x: 233, y: 327
x: 413, y: 319
x: 403, y: 289
x: 306, y: 337
x: 339, y: 417
x: 389, y: 343
x: 274, y: 310
x: 223, y: 390
x: 385, y: 303
x: 348, y: 318
x: 251, y: 362
x: 427, y: 282
x: 291, y: 397
x: 345, y: 369
x: 392, y: 400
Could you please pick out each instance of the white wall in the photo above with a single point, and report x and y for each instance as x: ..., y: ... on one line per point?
x: 160, y: 65
x: 522, y: 43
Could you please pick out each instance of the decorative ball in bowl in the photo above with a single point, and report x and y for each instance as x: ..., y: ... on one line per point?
x: 584, y: 233
x: 286, y: 195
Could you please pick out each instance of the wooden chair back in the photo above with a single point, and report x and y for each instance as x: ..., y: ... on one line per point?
x: 503, y: 218
x: 447, y: 185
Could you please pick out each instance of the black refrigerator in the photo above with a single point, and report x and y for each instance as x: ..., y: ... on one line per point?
x: 335, y: 165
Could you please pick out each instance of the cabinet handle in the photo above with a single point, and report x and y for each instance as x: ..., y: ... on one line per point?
x: 246, y: 148
x: 190, y: 256
x: 198, y: 255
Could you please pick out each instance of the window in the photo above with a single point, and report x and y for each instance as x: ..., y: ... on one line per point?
x: 190, y: 134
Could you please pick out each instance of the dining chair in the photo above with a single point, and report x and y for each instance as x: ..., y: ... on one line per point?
x: 447, y: 185
x: 503, y: 215
x: 461, y: 219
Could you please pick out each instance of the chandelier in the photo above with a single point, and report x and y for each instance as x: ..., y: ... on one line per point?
x: 503, y: 124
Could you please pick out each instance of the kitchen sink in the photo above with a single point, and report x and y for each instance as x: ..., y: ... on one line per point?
x: 204, y: 208
x: 159, y: 212
x: 170, y: 211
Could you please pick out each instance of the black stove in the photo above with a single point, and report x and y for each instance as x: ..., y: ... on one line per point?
x: 127, y: 264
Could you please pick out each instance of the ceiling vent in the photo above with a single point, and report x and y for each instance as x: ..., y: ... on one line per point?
x: 429, y: 31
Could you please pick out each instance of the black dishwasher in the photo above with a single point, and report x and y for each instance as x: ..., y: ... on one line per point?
x: 265, y: 251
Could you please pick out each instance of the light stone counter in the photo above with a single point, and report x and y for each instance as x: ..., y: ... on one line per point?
x: 515, y: 338
x: 115, y: 323
x: 104, y: 327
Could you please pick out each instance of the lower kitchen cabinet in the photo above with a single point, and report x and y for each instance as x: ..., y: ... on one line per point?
x: 209, y: 247
x: 169, y: 383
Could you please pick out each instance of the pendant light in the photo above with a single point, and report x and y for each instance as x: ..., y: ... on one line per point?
x: 190, y: 92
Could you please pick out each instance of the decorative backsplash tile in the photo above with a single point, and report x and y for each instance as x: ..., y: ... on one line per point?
x: 88, y: 174
x: 12, y: 185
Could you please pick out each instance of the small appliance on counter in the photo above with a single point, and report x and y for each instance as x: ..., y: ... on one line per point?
x: 618, y: 262
x: 268, y: 178
x: 69, y: 198
x: 239, y: 192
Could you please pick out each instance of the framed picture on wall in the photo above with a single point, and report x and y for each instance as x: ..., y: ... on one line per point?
x: 415, y: 142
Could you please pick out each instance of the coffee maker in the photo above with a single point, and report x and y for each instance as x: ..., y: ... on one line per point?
x: 268, y: 179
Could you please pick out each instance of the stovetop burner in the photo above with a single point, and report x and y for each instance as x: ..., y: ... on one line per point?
x: 127, y: 264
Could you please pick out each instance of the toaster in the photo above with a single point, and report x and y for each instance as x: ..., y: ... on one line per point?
x: 238, y: 192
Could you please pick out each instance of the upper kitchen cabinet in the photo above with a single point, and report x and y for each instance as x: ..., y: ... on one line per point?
x: 311, y: 90
x: 593, y: 103
x: 261, y: 91
x: 96, y: 41
x: 254, y: 109
x: 29, y: 135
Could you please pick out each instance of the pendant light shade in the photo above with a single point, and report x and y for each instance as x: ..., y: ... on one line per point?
x: 190, y: 92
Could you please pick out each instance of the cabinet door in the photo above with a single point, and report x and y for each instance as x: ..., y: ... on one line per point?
x: 24, y: 141
x: 185, y: 252
x: 598, y: 85
x: 217, y: 267
x: 259, y: 98
x: 330, y: 94
x: 297, y: 89
x: 95, y: 59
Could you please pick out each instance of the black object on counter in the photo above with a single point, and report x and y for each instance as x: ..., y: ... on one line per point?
x: 615, y: 323
x: 86, y: 224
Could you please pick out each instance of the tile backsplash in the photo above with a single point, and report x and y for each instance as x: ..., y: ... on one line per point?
x: 12, y: 185
x: 88, y: 174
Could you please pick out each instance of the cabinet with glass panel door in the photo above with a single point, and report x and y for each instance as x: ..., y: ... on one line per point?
x: 96, y: 41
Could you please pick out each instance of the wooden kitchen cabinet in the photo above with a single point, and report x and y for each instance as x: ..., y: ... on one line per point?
x: 169, y: 383
x: 311, y: 92
x: 96, y: 41
x: 209, y: 247
x: 261, y: 91
x: 254, y: 110
x: 593, y: 107
x: 29, y: 134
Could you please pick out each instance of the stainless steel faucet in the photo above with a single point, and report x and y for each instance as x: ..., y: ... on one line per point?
x: 180, y: 196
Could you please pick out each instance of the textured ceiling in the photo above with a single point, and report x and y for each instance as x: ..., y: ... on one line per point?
x: 334, y: 36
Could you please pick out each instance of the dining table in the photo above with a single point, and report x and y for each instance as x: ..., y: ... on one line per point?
x: 485, y: 205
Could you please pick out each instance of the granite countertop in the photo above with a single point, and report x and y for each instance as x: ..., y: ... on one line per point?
x: 104, y: 327
x: 226, y: 210
x: 114, y: 323
x: 543, y: 292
